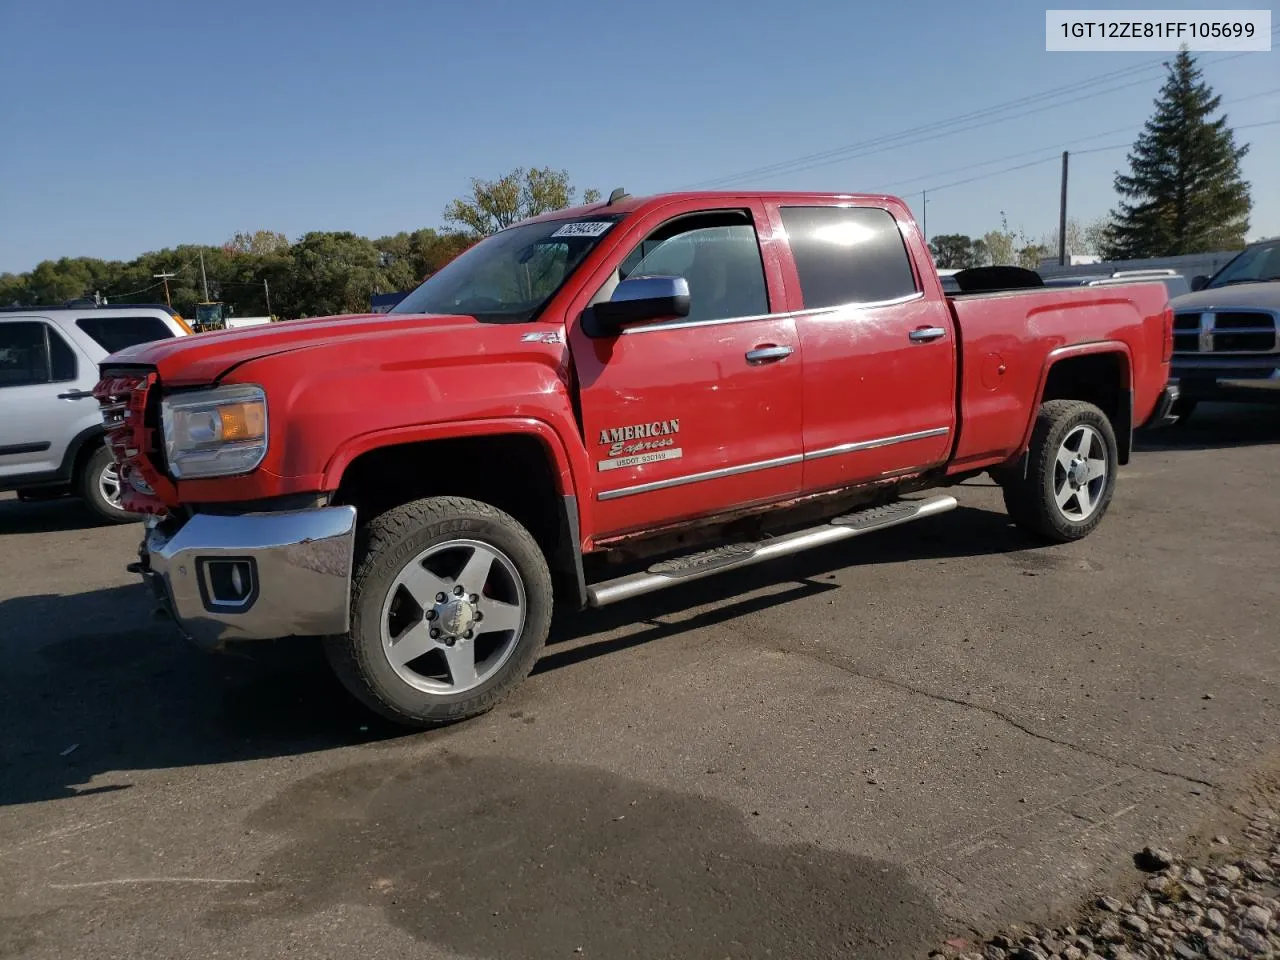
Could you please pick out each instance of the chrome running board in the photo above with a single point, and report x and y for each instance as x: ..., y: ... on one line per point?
x: 735, y: 556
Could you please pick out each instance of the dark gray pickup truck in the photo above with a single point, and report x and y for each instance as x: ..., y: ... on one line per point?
x: 1225, y: 343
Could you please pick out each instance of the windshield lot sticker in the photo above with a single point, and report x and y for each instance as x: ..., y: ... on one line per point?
x: 585, y: 228
x: 640, y: 443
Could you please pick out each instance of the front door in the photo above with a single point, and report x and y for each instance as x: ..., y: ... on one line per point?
x: 694, y: 415
x: 44, y: 395
x: 879, y: 348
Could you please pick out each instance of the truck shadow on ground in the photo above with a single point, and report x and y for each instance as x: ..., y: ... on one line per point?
x: 964, y: 532
x: 1216, y: 426
x: 512, y: 857
x: 47, y: 516
x: 94, y: 688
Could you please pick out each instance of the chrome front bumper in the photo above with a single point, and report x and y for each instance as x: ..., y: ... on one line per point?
x: 253, y: 576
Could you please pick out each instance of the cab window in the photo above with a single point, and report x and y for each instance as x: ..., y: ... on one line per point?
x: 717, y: 253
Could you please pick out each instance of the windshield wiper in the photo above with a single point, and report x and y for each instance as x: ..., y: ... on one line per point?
x: 1227, y: 283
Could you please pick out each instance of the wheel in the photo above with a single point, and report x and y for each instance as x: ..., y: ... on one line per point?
x: 100, y: 487
x: 451, y: 603
x: 1183, y: 407
x: 1070, y: 473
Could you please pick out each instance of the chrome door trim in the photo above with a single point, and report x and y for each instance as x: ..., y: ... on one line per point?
x: 854, y: 447
x: 699, y: 477
x: 767, y: 464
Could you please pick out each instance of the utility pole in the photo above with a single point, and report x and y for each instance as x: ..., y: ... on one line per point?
x: 166, y: 277
x: 267, y: 290
x: 203, y: 278
x: 924, y: 215
x: 1062, y: 216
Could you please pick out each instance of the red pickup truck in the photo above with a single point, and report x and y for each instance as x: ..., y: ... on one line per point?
x: 603, y: 402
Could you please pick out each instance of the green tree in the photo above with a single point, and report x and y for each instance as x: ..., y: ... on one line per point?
x: 1001, y: 245
x: 1095, y: 234
x: 1080, y: 239
x: 1030, y: 255
x: 332, y: 273
x: 520, y: 194
x: 953, y: 251
x: 1184, y: 192
x: 259, y: 243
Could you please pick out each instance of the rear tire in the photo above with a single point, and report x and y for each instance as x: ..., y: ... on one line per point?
x: 451, y: 604
x: 1070, y: 473
x: 99, y: 485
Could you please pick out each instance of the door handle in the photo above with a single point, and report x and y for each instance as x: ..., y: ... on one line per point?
x: 765, y: 354
x: 925, y: 334
x: 75, y: 395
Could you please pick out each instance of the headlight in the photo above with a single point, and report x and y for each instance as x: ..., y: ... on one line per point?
x: 215, y: 433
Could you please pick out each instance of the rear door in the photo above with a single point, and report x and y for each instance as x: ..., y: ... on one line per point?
x: 701, y: 414
x: 45, y: 394
x: 879, y: 396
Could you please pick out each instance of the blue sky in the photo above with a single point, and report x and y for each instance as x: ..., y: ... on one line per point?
x: 142, y: 125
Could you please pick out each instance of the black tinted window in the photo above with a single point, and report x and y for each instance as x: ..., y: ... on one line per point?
x: 62, y: 358
x: 117, y: 333
x: 848, y: 255
x: 24, y: 354
x: 722, y: 264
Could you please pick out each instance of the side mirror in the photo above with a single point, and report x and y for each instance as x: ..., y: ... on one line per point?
x: 640, y: 299
x: 1199, y: 282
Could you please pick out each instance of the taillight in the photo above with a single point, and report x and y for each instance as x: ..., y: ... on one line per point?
x: 1167, y: 353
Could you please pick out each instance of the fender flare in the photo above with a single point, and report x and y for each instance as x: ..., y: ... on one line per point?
x: 1094, y: 348
x: 569, y: 464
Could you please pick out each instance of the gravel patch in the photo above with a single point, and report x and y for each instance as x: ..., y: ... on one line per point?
x: 1219, y: 908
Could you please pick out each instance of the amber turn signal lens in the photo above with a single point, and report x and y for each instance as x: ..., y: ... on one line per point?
x: 242, y: 421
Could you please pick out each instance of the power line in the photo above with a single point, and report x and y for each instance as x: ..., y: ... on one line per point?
x: 132, y: 293
x: 960, y: 123
x: 1052, y: 157
x: 1056, y: 146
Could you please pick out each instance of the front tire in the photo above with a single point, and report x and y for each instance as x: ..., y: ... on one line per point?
x: 100, y: 486
x: 451, y: 605
x: 1070, y: 474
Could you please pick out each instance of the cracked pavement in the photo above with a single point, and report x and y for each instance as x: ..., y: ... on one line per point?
x: 858, y: 751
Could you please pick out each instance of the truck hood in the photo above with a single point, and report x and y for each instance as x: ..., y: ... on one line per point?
x: 204, y: 357
x: 1249, y: 296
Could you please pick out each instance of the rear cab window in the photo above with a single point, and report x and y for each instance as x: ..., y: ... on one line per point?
x: 848, y: 255
x: 117, y: 333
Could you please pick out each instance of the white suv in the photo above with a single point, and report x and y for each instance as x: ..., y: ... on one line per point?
x: 50, y: 424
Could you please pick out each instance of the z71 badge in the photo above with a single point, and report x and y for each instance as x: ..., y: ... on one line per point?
x: 640, y: 443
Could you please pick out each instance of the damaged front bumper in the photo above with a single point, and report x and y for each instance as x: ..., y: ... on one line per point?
x: 256, y: 576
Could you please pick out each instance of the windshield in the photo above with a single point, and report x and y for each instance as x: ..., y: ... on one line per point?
x: 509, y: 276
x: 1256, y: 265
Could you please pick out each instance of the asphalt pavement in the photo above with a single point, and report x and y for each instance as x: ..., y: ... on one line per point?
x: 856, y: 752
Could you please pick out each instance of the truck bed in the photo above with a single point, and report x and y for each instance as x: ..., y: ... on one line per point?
x: 1008, y: 338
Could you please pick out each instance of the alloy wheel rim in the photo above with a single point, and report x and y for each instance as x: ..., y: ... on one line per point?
x: 109, y: 485
x: 453, y: 616
x: 1080, y: 473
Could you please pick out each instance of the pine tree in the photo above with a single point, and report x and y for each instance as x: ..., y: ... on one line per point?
x: 1184, y: 192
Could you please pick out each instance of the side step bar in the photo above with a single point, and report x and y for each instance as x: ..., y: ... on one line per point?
x: 695, y: 566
